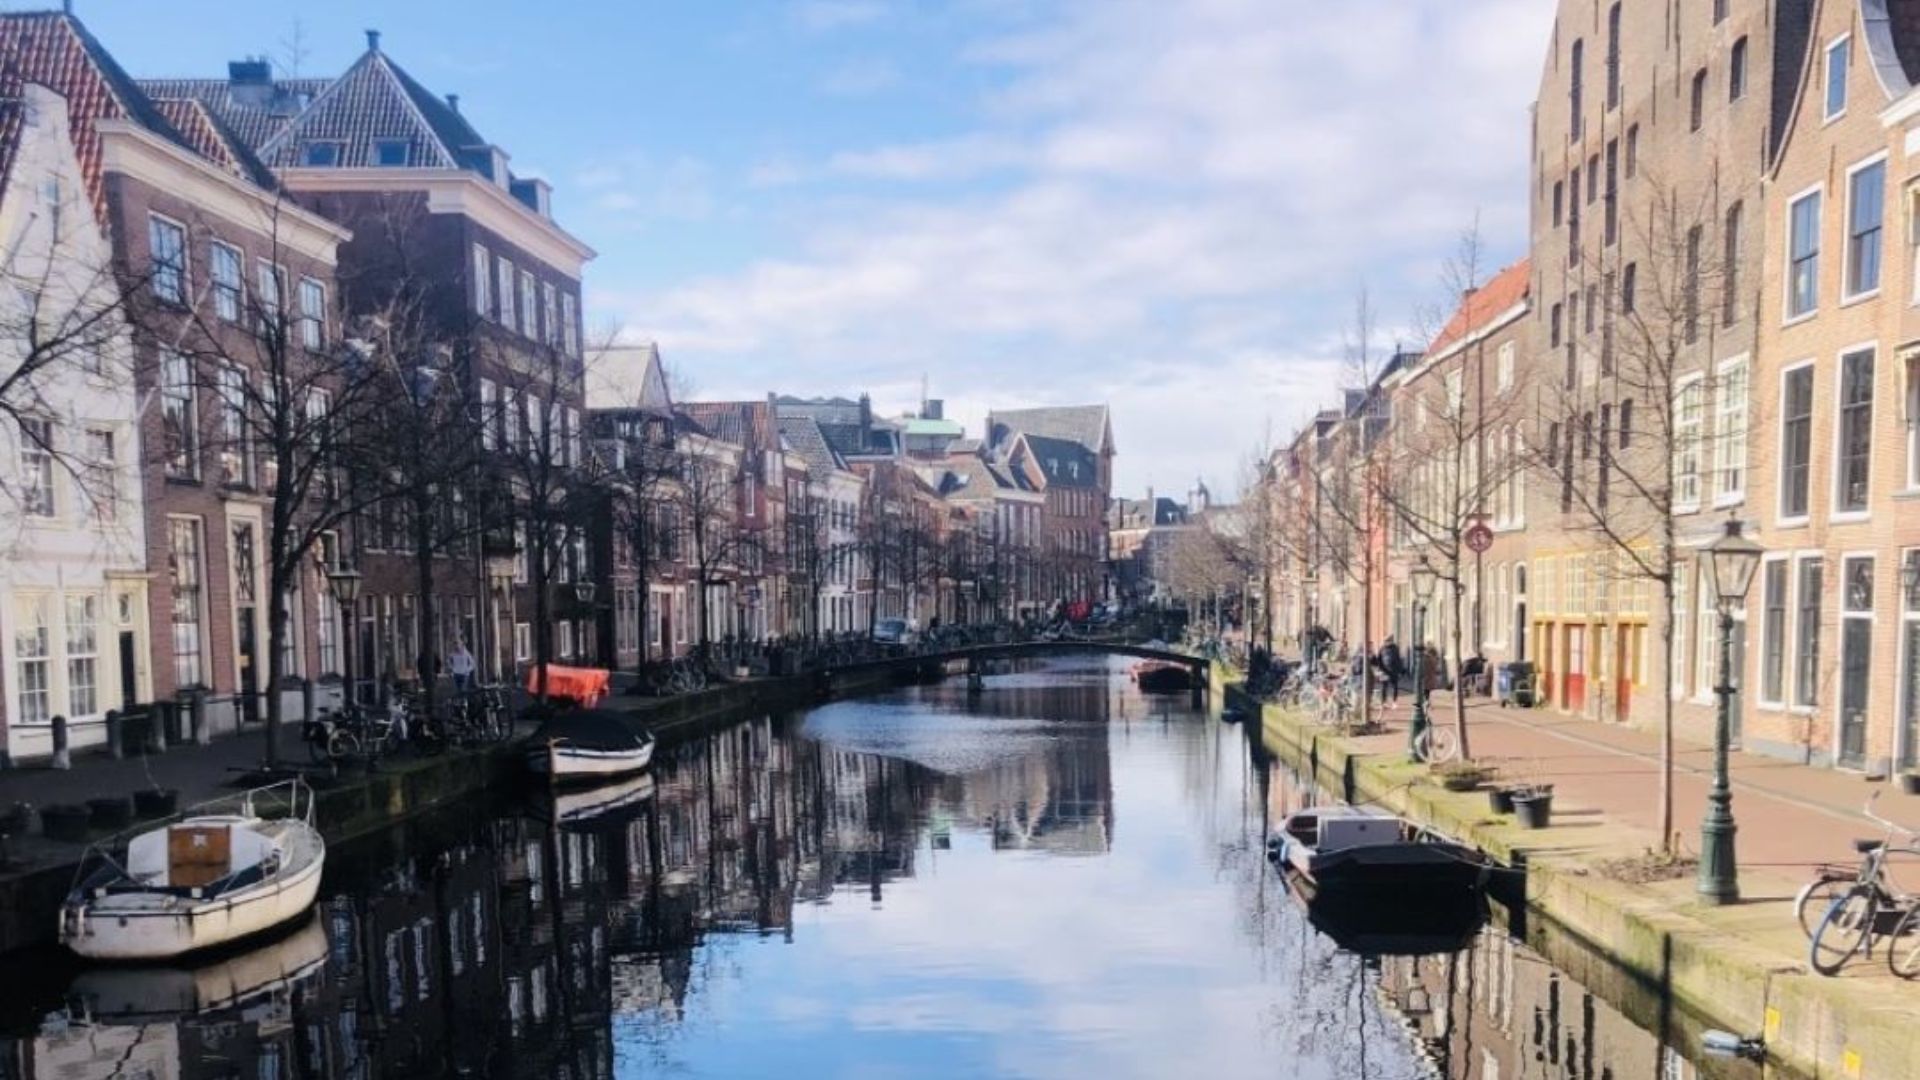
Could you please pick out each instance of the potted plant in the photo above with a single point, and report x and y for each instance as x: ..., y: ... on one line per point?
x: 1533, y: 805
x: 65, y: 822
x: 1462, y: 775
x: 1500, y: 798
x: 1910, y: 782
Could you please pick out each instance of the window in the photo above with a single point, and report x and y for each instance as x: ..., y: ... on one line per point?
x: 1866, y: 202
x: 1575, y: 62
x: 1593, y: 303
x: 1730, y: 266
x: 179, y: 417
x: 1612, y: 216
x: 522, y: 641
x: 36, y: 466
x: 1910, y: 660
x: 83, y: 654
x: 1688, y: 416
x: 569, y: 326
x: 482, y: 281
x: 1697, y: 109
x: 1559, y: 202
x: 549, y: 315
x: 272, y: 293
x: 392, y: 153
x: 1633, y: 150
x: 489, y: 418
x: 1573, y: 216
x: 1626, y: 289
x: 1503, y: 368
x: 321, y: 155
x: 1837, y: 56
x: 1737, y: 71
x: 1730, y: 432
x: 1593, y: 178
x: 167, y: 250
x: 529, y: 296
x: 1796, y: 440
x: 185, y: 570
x: 236, y: 457
x: 1856, y: 656
x: 228, y: 282
x: 509, y: 311
x: 1690, y: 289
x: 1719, y: 12
x: 1913, y: 419
x: 1855, y: 448
x: 1803, y: 254
x: 1806, y: 645
x: 1613, y: 56
x: 100, y: 486
x: 32, y: 655
x: 1707, y: 640
x: 1553, y: 323
x: 313, y: 314
x: 1773, y: 632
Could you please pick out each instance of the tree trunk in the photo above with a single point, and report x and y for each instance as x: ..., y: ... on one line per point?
x: 424, y: 610
x: 1459, y: 686
x: 277, y: 627
x: 1666, y: 714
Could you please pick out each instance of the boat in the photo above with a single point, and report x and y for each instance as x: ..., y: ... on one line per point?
x: 220, y: 873
x: 1161, y: 677
x: 154, y: 993
x: 590, y: 745
x: 602, y: 802
x: 1355, y: 849
x: 1386, y: 925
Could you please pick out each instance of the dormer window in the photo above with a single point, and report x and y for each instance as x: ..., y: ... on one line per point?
x: 391, y: 153
x: 321, y: 155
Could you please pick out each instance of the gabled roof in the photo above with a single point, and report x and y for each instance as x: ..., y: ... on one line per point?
x: 742, y: 423
x: 254, y: 114
x: 213, y: 140
x: 1064, y: 463
x: 1083, y: 424
x: 803, y: 437
x: 54, y: 50
x: 1481, y: 309
x: 375, y: 100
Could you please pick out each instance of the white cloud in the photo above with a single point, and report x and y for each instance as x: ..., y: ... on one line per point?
x: 821, y: 15
x: 860, y: 78
x: 1164, y: 206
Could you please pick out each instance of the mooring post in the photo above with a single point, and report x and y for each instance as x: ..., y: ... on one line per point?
x: 1199, y: 681
x: 116, y: 748
x: 62, y: 759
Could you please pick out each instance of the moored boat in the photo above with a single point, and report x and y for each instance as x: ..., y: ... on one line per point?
x: 601, y: 802
x: 222, y: 980
x: 1161, y: 677
x: 587, y: 746
x: 222, y: 872
x: 1346, y: 848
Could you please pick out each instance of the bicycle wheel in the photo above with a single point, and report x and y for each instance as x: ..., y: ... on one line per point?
x: 1438, y: 744
x: 1810, y: 904
x: 342, y: 744
x: 1842, y: 930
x: 1903, y: 945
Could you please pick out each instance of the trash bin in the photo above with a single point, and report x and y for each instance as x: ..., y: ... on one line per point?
x: 1513, y: 684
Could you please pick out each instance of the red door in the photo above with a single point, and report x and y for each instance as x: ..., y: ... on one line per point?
x: 1576, y: 668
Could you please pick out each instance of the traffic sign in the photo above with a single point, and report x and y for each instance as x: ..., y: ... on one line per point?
x: 1479, y: 537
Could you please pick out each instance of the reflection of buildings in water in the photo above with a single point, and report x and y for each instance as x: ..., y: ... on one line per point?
x: 1498, y: 1011
x: 1058, y: 800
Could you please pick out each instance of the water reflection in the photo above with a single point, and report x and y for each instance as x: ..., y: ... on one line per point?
x: 1054, y: 877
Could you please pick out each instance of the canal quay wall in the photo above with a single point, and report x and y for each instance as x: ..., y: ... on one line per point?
x: 363, y: 802
x: 1646, y: 948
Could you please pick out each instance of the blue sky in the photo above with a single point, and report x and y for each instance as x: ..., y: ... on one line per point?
x: 1166, y: 207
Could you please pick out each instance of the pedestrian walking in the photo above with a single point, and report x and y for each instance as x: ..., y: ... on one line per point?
x: 1392, y: 665
x: 462, y: 665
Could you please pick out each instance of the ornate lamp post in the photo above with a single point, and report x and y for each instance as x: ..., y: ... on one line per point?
x: 344, y: 580
x: 1732, y: 560
x: 1424, y: 582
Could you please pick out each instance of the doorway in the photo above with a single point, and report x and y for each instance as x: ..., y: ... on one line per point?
x: 129, y: 669
x: 245, y: 649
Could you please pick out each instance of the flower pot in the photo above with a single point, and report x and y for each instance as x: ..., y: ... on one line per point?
x: 67, y: 823
x: 1534, y: 809
x: 1500, y: 799
x: 112, y: 812
x: 1910, y: 783
x: 155, y: 802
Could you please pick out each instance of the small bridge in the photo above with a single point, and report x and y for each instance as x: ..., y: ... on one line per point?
x: 976, y: 657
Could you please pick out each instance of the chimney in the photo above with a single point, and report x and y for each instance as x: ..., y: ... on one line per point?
x: 936, y: 410
x: 373, y: 41
x: 1466, y: 294
x: 866, y: 413
x: 250, y: 81
x: 453, y: 102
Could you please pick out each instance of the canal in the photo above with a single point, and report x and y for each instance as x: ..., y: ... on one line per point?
x: 1055, y: 877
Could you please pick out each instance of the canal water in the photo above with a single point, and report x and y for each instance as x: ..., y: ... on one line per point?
x: 1057, y: 877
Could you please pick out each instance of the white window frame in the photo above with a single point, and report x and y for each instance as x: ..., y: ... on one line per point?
x: 504, y: 276
x: 1906, y: 613
x: 42, y: 657
x: 72, y: 653
x: 569, y: 328
x: 1503, y: 368
x: 1730, y: 447
x: 182, y: 286
x: 183, y: 392
x: 1834, y: 513
x: 1802, y: 699
x: 1788, y: 315
x: 39, y: 486
x: 489, y: 407
x: 1843, y: 43
x: 481, y: 268
x: 1842, y: 613
x: 313, y: 317
x: 1785, y: 561
x: 1910, y: 402
x: 228, y: 293
x: 529, y: 301
x: 1685, y: 385
x: 549, y: 314
x: 1780, y: 515
x: 1847, y: 296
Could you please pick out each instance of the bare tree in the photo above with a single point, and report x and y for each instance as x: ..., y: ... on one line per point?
x: 708, y: 500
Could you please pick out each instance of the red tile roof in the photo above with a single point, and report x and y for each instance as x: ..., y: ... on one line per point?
x: 1483, y: 305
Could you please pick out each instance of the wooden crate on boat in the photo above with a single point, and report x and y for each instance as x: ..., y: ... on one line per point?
x: 198, y: 854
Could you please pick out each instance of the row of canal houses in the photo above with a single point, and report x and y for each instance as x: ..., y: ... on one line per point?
x: 263, y: 330
x: 1717, y: 319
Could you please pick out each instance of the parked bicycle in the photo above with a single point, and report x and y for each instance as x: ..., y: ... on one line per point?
x: 1871, y: 907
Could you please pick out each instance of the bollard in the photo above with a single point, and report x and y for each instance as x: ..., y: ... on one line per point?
x: 197, y: 720
x: 306, y: 700
x: 159, y: 715
x: 61, y: 758
x: 116, y: 747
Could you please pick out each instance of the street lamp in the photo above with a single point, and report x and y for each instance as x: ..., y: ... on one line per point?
x: 1732, y: 560
x: 344, y: 581
x: 1424, y: 582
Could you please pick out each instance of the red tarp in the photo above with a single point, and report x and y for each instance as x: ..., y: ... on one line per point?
x: 584, y: 685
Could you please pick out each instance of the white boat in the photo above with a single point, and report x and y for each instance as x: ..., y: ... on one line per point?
x: 588, y: 745
x: 1348, y: 848
x: 583, y: 805
x: 219, y: 873
x: 148, y: 992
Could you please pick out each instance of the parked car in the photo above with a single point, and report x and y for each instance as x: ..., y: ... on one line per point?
x: 894, y: 632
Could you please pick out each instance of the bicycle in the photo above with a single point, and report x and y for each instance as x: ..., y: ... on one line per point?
x: 1870, y: 907
x: 1436, y: 744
